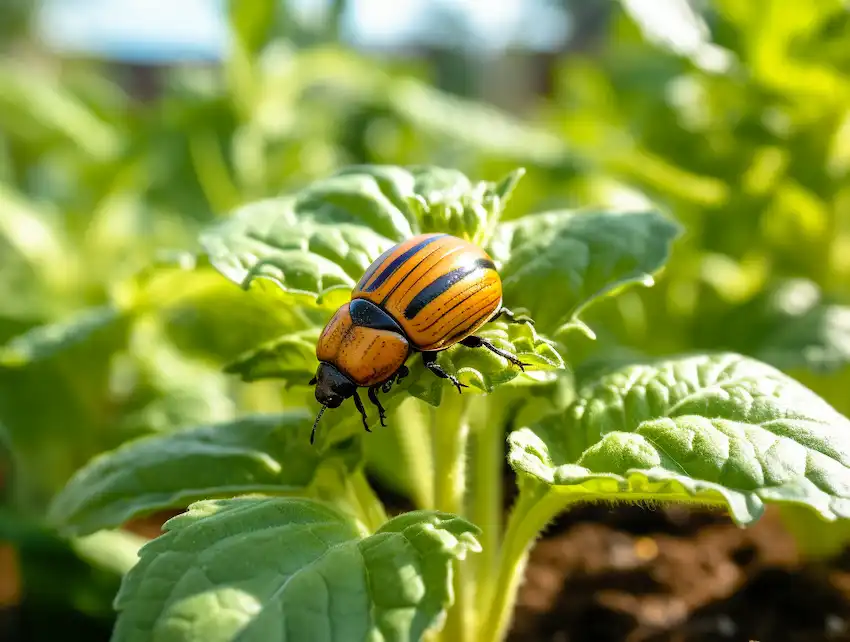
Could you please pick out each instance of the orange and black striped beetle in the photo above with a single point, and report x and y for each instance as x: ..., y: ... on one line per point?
x: 424, y: 295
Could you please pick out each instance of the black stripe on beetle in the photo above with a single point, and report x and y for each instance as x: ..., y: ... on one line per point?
x: 470, y: 292
x: 411, y: 271
x: 397, y: 262
x: 442, y: 284
x: 466, y: 322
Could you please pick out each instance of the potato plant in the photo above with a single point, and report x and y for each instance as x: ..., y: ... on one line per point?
x: 287, y: 541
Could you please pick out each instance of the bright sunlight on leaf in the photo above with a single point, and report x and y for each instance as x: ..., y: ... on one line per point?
x: 269, y: 570
x: 556, y: 263
x: 713, y: 429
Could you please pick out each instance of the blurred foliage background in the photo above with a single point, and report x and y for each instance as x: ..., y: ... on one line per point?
x: 732, y: 116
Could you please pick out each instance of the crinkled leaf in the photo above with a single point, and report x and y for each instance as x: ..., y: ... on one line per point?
x: 719, y: 429
x: 290, y: 569
x: 554, y: 264
x: 263, y: 453
x: 305, y: 252
x: 482, y: 369
x: 317, y: 243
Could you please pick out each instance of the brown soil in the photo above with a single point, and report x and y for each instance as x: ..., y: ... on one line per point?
x: 630, y: 574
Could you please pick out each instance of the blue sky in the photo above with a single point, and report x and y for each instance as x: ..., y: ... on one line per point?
x: 191, y: 29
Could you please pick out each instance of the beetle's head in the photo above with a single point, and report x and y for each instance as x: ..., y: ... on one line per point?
x: 332, y: 388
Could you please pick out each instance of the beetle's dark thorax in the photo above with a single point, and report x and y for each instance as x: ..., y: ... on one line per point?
x: 368, y: 315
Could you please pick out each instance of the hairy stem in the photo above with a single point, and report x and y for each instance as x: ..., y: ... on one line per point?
x: 534, y: 509
x: 450, y: 433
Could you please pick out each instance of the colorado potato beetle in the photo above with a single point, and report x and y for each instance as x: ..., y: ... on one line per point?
x: 423, y: 295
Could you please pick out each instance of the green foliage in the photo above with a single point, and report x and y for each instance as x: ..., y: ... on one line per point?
x: 328, y: 578
x: 266, y: 453
x: 167, y: 266
x: 720, y: 428
x: 583, y: 256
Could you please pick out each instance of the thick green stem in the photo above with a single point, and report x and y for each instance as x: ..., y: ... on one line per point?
x: 414, y: 441
x: 450, y: 433
x: 535, y: 508
x: 485, y: 511
x: 371, y: 510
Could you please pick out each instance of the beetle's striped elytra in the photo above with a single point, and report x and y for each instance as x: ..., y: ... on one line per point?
x: 424, y: 295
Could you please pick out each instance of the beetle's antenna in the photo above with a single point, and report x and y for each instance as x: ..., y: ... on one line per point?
x: 316, y: 423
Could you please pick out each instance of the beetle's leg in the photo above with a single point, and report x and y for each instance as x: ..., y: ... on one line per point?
x: 400, y: 374
x: 359, y: 404
x: 312, y: 381
x: 430, y: 361
x: 373, y: 397
x: 511, y: 317
x: 478, y: 342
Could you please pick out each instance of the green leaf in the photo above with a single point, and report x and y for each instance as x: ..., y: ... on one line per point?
x: 555, y: 264
x: 293, y: 359
x: 55, y: 396
x: 793, y: 326
x: 48, y: 340
x: 205, y: 317
x: 113, y: 551
x: 482, y: 369
x: 307, y: 253
x: 317, y: 243
x: 35, y: 107
x: 473, y: 125
x: 720, y: 429
x: 290, y: 569
x: 263, y: 453
x: 816, y: 538
x: 252, y: 22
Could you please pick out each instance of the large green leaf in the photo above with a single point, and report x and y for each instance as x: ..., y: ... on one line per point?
x: 263, y: 453
x: 554, y: 264
x: 55, y: 396
x: 720, y: 429
x: 320, y: 240
x: 303, y: 252
x: 290, y: 569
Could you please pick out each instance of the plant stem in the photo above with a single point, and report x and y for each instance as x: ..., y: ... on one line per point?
x: 414, y: 440
x: 534, y: 509
x: 485, y: 511
x: 450, y: 433
x: 372, y: 511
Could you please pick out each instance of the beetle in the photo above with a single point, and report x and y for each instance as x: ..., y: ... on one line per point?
x: 423, y: 295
